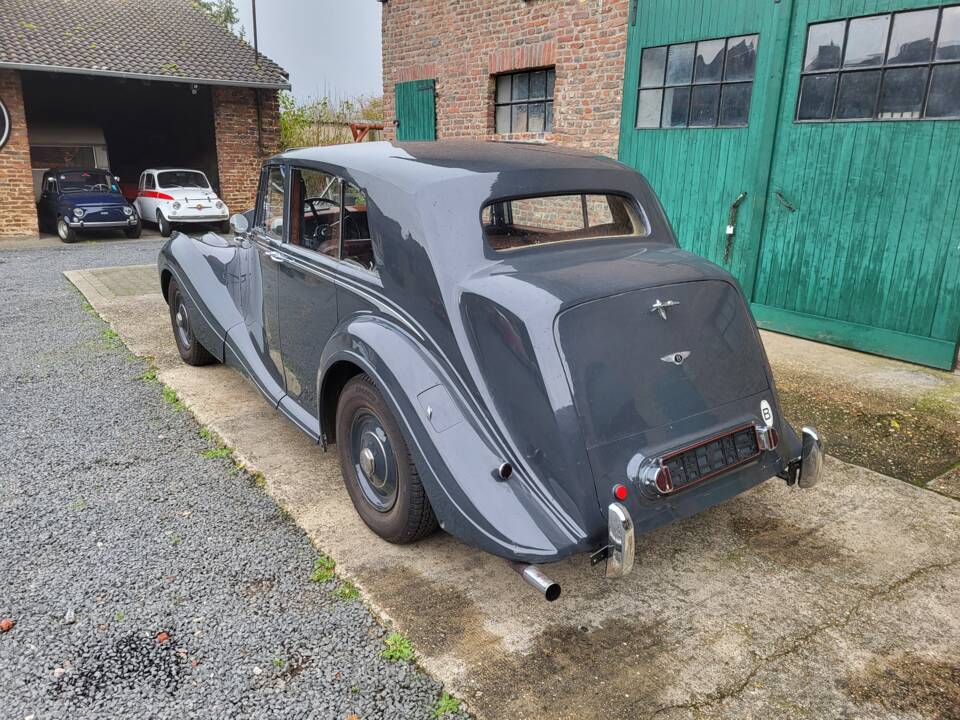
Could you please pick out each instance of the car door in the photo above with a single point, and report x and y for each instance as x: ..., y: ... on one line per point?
x: 140, y: 202
x: 47, y: 202
x: 307, y: 280
x: 255, y: 344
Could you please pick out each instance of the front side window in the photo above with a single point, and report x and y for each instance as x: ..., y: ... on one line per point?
x: 317, y: 226
x: 183, y: 179
x: 524, y: 222
x: 524, y: 101
x: 270, y: 216
x: 702, y: 84
x: 895, y: 66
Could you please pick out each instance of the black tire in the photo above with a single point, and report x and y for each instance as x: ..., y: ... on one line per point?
x: 134, y: 232
x: 410, y: 516
x: 166, y: 229
x: 66, y: 233
x: 223, y: 227
x: 192, y: 352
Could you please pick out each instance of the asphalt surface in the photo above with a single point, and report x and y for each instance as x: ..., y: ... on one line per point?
x: 145, y: 579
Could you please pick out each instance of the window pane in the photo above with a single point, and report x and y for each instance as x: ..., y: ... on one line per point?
x: 948, y: 47
x: 536, y: 115
x: 551, y: 80
x: 356, y: 231
x: 867, y: 41
x: 548, y: 122
x: 503, y: 119
x: 741, y: 57
x: 708, y: 66
x: 318, y: 226
x: 912, y: 38
x: 704, y: 105
x: 902, y: 94
x: 816, y: 97
x: 538, y: 85
x: 271, y: 213
x: 680, y: 64
x: 503, y: 88
x: 521, y: 86
x: 858, y: 95
x: 735, y: 104
x: 648, y: 108
x: 653, y: 63
x: 944, y: 98
x: 519, y: 119
x: 824, y: 45
x: 676, y: 102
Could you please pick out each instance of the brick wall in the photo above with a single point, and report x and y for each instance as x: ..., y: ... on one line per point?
x: 464, y: 44
x: 239, y: 150
x: 18, y: 210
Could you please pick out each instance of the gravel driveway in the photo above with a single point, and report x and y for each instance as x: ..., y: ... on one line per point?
x: 147, y: 576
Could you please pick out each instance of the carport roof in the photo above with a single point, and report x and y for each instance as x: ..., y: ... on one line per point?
x: 171, y: 40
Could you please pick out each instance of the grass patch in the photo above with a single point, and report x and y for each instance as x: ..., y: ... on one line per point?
x: 170, y: 397
x: 397, y: 648
x: 279, y: 663
x: 149, y: 375
x: 323, y: 569
x: 347, y: 591
x: 110, y: 337
x: 446, y: 703
x: 78, y: 505
x: 207, y: 435
x: 217, y: 452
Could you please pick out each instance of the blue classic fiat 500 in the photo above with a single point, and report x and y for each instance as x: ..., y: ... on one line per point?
x: 73, y: 199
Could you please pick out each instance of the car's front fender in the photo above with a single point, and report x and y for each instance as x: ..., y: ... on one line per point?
x: 456, y: 453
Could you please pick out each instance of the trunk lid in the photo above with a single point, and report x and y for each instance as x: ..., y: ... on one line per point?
x: 642, y: 362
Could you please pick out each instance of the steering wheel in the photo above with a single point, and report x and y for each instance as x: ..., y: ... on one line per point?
x: 106, y: 188
x: 323, y: 230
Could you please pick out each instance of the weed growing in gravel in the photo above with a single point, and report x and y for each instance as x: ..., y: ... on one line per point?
x: 78, y: 505
x: 217, y: 452
x: 110, y: 337
x: 397, y: 648
x: 323, y: 569
x: 88, y: 308
x: 175, y: 540
x: 119, y: 616
x: 347, y: 591
x: 149, y: 375
x: 279, y: 663
x: 208, y: 435
x: 170, y: 396
x: 446, y: 704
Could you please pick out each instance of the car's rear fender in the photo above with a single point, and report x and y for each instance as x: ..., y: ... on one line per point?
x: 456, y: 455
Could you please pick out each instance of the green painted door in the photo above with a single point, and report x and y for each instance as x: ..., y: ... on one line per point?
x: 712, y: 63
x: 862, y: 246
x: 416, y: 110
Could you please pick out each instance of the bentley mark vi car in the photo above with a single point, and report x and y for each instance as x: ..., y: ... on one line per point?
x: 74, y: 199
x: 179, y: 196
x: 501, y: 339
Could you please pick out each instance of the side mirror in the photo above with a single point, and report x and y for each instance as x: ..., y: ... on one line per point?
x: 239, y: 224
x: 116, y: 178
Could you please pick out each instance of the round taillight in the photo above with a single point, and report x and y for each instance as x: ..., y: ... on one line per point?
x: 663, y: 480
x: 620, y: 492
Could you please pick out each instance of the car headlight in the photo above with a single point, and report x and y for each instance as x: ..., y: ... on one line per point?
x: 79, y: 212
x: 219, y: 205
x: 127, y: 210
x: 176, y: 206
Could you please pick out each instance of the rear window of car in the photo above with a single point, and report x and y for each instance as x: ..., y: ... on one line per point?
x: 182, y: 179
x: 568, y: 217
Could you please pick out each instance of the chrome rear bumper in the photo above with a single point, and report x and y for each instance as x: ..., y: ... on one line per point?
x: 811, y: 458
x: 621, y: 538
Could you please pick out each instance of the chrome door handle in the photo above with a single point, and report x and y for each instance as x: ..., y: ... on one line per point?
x: 276, y: 257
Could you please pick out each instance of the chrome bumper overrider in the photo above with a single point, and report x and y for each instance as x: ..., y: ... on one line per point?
x: 620, y: 551
x: 811, y: 459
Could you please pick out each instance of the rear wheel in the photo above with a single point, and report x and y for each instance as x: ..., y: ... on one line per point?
x: 66, y: 233
x: 378, y: 470
x: 192, y: 352
x: 166, y: 229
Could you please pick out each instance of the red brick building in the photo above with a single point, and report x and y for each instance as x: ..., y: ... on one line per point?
x: 465, y: 46
x: 127, y: 86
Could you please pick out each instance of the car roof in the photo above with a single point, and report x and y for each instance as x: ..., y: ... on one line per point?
x: 415, y: 165
x: 173, y: 169
x: 57, y: 171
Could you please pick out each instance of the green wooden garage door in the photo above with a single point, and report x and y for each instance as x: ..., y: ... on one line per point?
x: 416, y: 110
x: 850, y: 231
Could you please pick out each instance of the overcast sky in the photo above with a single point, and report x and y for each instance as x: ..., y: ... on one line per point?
x: 327, y: 46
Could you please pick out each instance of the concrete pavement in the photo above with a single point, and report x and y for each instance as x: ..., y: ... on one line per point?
x: 835, y: 602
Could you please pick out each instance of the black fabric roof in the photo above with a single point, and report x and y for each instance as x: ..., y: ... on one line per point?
x: 157, y: 39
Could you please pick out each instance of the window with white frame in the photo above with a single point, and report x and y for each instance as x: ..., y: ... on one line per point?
x: 893, y: 66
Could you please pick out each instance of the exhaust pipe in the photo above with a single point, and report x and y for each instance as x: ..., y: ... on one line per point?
x: 535, y: 577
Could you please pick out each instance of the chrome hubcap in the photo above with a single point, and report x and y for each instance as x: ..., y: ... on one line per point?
x: 375, y: 464
x: 182, y: 320
x: 62, y: 229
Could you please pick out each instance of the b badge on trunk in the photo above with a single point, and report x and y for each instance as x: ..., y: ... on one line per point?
x: 676, y: 358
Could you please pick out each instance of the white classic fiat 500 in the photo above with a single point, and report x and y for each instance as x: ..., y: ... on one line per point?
x: 172, y: 196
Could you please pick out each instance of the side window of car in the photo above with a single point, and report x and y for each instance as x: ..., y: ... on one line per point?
x: 318, y: 226
x: 149, y: 183
x: 356, y: 229
x: 270, y: 215
x: 51, y: 186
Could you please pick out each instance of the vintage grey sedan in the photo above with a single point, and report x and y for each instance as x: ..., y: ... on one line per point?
x: 501, y: 339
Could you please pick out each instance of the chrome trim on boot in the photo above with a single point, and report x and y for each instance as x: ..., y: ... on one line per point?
x: 622, y: 547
